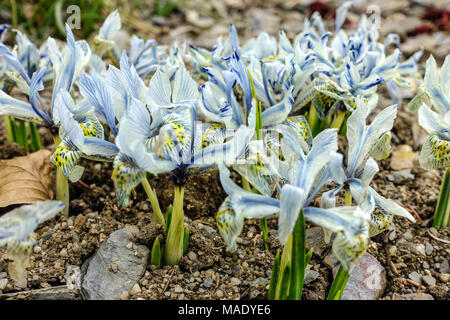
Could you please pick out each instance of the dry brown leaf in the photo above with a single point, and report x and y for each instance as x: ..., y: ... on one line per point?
x: 26, y: 179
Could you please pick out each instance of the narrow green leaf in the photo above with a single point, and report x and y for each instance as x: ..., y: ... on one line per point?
x: 442, y: 214
x: 185, y: 240
x: 285, y: 283
x: 265, y: 232
x: 274, y: 277
x: 308, y: 257
x: 168, y: 217
x: 156, y: 253
x: 338, y: 285
x: 34, y: 135
x: 298, y: 258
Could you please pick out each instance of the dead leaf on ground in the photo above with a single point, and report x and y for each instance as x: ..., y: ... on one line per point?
x: 26, y: 179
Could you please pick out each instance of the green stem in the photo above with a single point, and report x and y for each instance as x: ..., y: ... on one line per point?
x: 22, y: 135
x: 175, y: 235
x: 265, y: 232
x: 338, y: 286
x: 34, y: 135
x: 151, y: 194
x: 15, y: 18
x: 442, y: 214
x: 298, y: 258
x: 8, y: 129
x: 62, y: 184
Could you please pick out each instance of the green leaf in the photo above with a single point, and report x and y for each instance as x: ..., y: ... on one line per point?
x: 34, y: 135
x: 285, y: 282
x: 265, y: 232
x: 185, y: 240
x: 442, y: 214
x: 156, y: 253
x: 168, y: 217
x: 298, y: 258
x: 308, y: 257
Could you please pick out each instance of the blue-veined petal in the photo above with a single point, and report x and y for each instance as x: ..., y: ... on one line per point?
x: 93, y: 89
x: 362, y: 138
x: 279, y: 112
x: 159, y: 89
x: 184, y: 87
x: 111, y: 25
x: 65, y: 157
x: 390, y: 206
x: 433, y: 87
x: 324, y: 144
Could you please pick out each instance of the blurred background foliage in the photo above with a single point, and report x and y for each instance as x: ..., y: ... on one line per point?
x: 39, y: 19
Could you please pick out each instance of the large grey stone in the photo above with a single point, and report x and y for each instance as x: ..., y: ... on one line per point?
x: 367, y: 280
x: 116, y: 267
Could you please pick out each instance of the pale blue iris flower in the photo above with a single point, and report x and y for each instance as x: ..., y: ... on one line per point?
x: 366, y: 143
x: 66, y: 66
x: 351, y: 223
x: 434, y: 115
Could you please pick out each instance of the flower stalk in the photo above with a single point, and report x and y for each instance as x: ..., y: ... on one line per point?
x: 62, y: 184
x: 175, y: 234
x: 442, y: 214
x: 153, y: 198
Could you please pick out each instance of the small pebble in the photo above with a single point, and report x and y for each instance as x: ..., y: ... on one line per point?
x: 208, y: 282
x: 37, y: 249
x: 408, y: 235
x: 3, y: 283
x: 235, y: 281
x: 428, y: 248
x: 136, y: 289
x: 444, y: 277
x: 219, y: 293
x: 414, y: 276
x: 192, y: 255
x: 429, y: 281
x: 178, y: 289
x: 425, y: 265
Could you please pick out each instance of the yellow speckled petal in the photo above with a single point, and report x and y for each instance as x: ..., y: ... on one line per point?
x: 126, y: 176
x: 229, y: 224
x: 65, y: 157
x: 300, y: 125
x: 380, y: 221
x: 324, y: 104
x: 435, y: 153
x: 349, y: 249
x: 213, y: 134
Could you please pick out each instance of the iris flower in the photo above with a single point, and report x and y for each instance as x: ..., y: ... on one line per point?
x: 16, y: 228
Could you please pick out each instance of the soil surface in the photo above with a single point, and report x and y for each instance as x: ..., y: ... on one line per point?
x: 207, y: 271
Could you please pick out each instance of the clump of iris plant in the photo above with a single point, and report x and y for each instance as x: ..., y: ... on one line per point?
x: 433, y: 104
x: 66, y: 65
